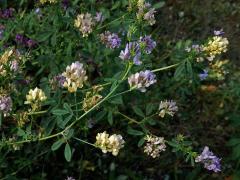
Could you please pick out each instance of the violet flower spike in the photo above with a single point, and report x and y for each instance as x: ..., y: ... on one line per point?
x: 148, y: 44
x: 210, y: 161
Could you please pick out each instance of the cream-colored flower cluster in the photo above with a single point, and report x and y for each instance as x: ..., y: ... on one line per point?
x: 92, y: 98
x: 46, y: 1
x: 146, y: 12
x: 108, y: 143
x: 75, y: 76
x: 216, y: 46
x: 85, y: 23
x: 218, y: 69
x: 35, y: 97
x: 9, y: 60
x: 154, y: 146
x: 167, y: 107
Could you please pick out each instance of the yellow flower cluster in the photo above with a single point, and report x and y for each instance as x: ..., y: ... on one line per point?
x: 35, y: 97
x: 92, y: 98
x: 50, y: 1
x: 218, y: 69
x: 9, y: 61
x: 85, y: 23
x: 3, y: 61
x: 216, y: 46
x: 108, y: 143
x: 75, y: 76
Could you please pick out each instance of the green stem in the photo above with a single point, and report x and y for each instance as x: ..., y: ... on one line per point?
x: 100, y: 102
x: 85, y: 142
x: 105, y: 25
x: 35, y: 113
x: 165, y: 68
x: 130, y: 119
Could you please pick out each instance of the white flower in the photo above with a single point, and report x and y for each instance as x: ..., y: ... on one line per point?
x: 167, y: 107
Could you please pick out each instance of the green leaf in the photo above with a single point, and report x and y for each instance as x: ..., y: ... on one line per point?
x: 66, y: 120
x: 141, y: 142
x: 149, y: 109
x: 159, y: 5
x: 138, y: 111
x: 189, y: 68
x: 134, y: 132
x: 116, y: 100
x: 57, y: 145
x: 116, y: 5
x: 67, y: 108
x: 67, y: 153
x: 110, y: 117
x: 179, y: 71
x: 233, y: 142
x: 59, y: 112
x: 173, y: 144
x: 21, y: 132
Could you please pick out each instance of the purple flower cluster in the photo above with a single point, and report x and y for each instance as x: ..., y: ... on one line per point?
x: 142, y: 80
x: 133, y: 49
x: 57, y: 81
x: 111, y: 40
x: 148, y: 44
x: 27, y: 42
x: 210, y: 161
x: 6, y: 13
x: 203, y: 75
x: 5, y: 104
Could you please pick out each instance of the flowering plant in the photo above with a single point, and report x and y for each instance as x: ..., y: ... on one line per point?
x: 79, y: 80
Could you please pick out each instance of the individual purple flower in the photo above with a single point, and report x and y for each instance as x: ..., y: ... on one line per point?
x: 19, y: 38
x: 65, y: 4
x: 219, y: 32
x: 30, y: 43
x: 210, y: 161
x: 148, y: 44
x: 142, y: 80
x: 132, y: 50
x: 203, y: 75
x: 99, y: 17
x: 111, y: 40
x: 125, y: 54
x: 5, y: 104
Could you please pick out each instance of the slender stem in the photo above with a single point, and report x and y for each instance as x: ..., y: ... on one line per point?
x: 85, y: 142
x: 130, y: 119
x: 75, y: 100
x: 35, y: 113
x: 105, y: 25
x: 165, y: 68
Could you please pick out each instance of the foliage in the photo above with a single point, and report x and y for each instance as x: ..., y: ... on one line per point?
x: 117, y: 90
